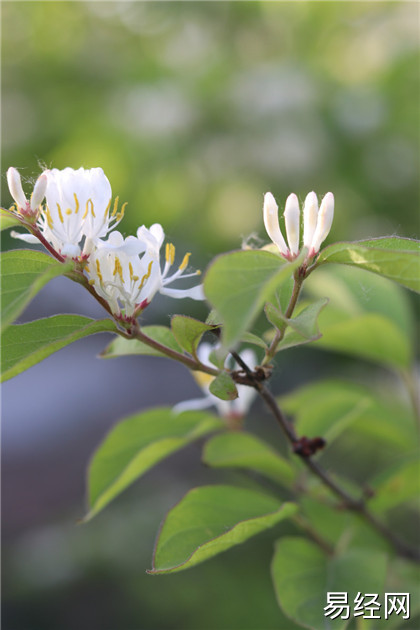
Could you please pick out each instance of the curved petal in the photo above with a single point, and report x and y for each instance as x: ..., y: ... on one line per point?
x: 28, y: 238
x: 195, y: 293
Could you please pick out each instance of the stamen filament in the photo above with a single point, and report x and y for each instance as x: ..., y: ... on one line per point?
x: 146, y: 275
x: 77, y: 203
x: 59, y: 213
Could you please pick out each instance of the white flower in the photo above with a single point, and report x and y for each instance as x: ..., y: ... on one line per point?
x: 23, y: 206
x: 77, y: 211
x: 316, y: 225
x: 127, y: 272
x: 237, y: 408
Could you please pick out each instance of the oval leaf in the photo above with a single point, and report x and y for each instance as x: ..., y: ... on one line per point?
x: 7, y: 220
x: 138, y: 443
x: 223, y: 387
x: 24, y: 345
x: 188, y: 331
x: 393, y: 257
x: 303, y: 575
x: 23, y: 274
x: 211, y: 519
x: 244, y: 450
x: 121, y: 347
x: 239, y: 283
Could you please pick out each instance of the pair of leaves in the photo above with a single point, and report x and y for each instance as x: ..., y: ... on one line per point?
x: 301, y: 329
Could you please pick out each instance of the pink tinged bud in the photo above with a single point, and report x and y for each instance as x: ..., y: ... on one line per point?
x: 292, y: 220
x: 15, y: 187
x: 271, y: 222
x: 310, y: 218
x: 323, y: 226
x: 39, y: 191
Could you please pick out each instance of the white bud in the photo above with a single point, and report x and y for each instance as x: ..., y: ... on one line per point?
x: 15, y: 187
x: 323, y: 226
x: 292, y: 219
x: 310, y: 217
x: 39, y: 191
x: 271, y: 222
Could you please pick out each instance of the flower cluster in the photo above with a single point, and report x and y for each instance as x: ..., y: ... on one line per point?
x: 78, y: 213
x: 316, y: 223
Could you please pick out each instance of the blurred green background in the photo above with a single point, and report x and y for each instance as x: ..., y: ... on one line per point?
x: 194, y: 110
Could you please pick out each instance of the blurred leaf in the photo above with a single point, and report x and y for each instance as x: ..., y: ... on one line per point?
x: 303, y: 575
x: 254, y: 339
x: 223, y: 387
x: 397, y: 485
x: 393, y: 257
x: 368, y: 316
x: 211, y: 519
x: 24, y: 345
x: 23, y: 274
x: 330, y: 407
x: 136, y: 444
x: 188, y: 331
x: 7, y: 220
x: 237, y: 285
x: 300, y: 329
x: 244, y: 450
x: 121, y: 347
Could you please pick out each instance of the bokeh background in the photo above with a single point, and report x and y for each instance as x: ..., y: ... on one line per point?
x: 194, y: 110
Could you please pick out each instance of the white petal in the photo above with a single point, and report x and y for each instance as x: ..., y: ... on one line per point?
x: 323, y: 226
x: 310, y: 217
x: 195, y: 293
x: 28, y: 238
x: 195, y: 403
x: 39, y: 191
x: 271, y: 222
x: 70, y: 250
x: 15, y: 187
x: 292, y: 218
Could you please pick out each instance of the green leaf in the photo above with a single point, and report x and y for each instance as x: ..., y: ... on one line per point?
x: 136, y: 444
x: 24, y: 345
x: 398, y: 484
x: 121, y: 347
x: 188, y: 331
x: 254, y: 339
x: 393, y: 257
x: 368, y: 316
x: 23, y: 274
x: 223, y: 387
x: 211, y: 519
x: 244, y: 450
x: 7, y: 220
x: 239, y: 283
x: 300, y: 329
x: 303, y: 575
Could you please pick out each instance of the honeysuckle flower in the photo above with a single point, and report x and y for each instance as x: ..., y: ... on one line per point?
x: 77, y: 211
x: 28, y: 209
x: 237, y: 408
x: 126, y: 272
x: 316, y: 224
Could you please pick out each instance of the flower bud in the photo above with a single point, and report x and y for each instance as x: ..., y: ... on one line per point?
x: 310, y: 217
x: 38, y: 194
x: 292, y: 217
x: 15, y: 187
x: 323, y: 226
x: 271, y: 222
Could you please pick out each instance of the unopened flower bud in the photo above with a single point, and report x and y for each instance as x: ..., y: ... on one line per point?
x: 271, y: 222
x: 15, y: 187
x: 310, y: 218
x: 292, y: 217
x: 38, y: 194
x: 323, y: 226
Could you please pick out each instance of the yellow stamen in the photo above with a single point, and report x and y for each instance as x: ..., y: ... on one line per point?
x: 185, y: 260
x: 68, y: 211
x: 114, y: 211
x: 49, y: 217
x: 130, y: 266
x: 121, y: 212
x: 87, y: 269
x: 98, y: 270
x: 59, y: 213
x: 107, y: 208
x: 118, y: 269
x: 91, y: 207
x: 170, y: 253
x: 146, y: 275
x: 77, y: 203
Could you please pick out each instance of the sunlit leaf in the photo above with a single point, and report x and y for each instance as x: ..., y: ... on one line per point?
x: 136, y: 444
x: 23, y: 273
x: 7, y: 220
x: 121, y: 347
x: 393, y: 257
x: 239, y: 283
x: 211, y: 519
x: 24, y: 345
x: 238, y: 449
x: 303, y: 575
x: 188, y: 331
